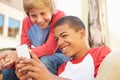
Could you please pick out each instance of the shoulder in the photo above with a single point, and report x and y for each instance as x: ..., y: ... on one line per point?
x: 102, y: 49
x: 56, y: 16
x: 26, y: 19
x: 26, y: 23
x: 100, y: 52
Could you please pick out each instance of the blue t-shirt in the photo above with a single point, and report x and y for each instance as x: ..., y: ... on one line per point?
x: 37, y: 35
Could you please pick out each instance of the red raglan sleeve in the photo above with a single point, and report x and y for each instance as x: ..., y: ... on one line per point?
x: 100, y: 54
x: 50, y: 45
x: 61, y: 68
x: 48, y: 48
x: 26, y: 24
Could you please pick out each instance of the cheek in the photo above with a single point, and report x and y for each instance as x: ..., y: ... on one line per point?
x: 33, y: 20
x: 74, y: 47
x: 48, y: 18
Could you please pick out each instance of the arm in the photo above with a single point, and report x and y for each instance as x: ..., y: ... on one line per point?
x: 7, y: 60
x: 35, y: 69
x: 26, y: 24
x: 47, y: 48
x: 50, y: 46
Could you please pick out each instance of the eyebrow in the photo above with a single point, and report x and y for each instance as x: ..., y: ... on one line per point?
x: 60, y: 34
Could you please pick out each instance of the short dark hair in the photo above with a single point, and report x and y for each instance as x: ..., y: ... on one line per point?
x: 73, y: 22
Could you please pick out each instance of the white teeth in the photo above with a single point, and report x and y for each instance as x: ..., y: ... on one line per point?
x: 63, y: 49
x: 42, y: 21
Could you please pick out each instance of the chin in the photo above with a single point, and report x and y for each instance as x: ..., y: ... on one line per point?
x: 43, y: 26
x: 67, y: 55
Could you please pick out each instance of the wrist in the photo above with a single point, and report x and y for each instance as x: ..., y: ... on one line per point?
x: 12, y: 66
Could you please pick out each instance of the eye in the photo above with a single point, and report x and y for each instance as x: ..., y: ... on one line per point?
x: 42, y: 13
x: 33, y: 15
x: 56, y: 39
x: 64, y: 36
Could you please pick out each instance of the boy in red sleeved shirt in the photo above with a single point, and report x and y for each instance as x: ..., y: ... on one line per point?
x: 70, y: 35
x: 38, y: 34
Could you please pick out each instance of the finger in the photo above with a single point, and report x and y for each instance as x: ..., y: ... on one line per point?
x: 33, y: 75
x: 30, y: 68
x: 1, y: 66
x: 32, y: 62
x: 21, y: 74
x: 26, y: 68
x: 8, y: 63
x: 19, y: 66
x: 19, y: 59
x: 30, y: 79
x: 34, y: 56
x: 3, y: 63
x: 2, y: 56
x: 24, y: 77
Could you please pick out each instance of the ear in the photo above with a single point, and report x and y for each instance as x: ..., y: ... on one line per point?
x: 82, y: 33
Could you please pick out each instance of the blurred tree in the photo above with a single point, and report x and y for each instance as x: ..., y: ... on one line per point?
x: 96, y: 22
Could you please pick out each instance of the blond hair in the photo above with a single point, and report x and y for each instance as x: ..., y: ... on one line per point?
x: 38, y: 4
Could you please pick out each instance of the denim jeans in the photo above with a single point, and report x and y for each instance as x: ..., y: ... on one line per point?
x: 52, y: 62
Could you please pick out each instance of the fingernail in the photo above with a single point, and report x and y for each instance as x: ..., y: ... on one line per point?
x: 20, y: 61
x: 7, y: 59
x: 29, y: 78
x: 19, y: 70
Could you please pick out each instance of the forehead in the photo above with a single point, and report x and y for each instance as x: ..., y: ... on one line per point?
x: 39, y: 10
x: 62, y: 28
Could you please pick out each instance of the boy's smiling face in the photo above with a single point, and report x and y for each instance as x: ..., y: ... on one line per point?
x: 41, y: 17
x: 68, y: 40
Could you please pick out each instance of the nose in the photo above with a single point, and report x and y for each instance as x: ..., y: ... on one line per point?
x: 39, y: 19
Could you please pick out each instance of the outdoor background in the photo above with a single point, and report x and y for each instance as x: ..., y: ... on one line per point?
x: 12, y: 14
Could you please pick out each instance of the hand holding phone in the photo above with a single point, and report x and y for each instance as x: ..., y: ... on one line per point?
x: 23, y: 51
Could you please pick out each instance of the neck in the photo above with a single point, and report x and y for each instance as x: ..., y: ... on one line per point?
x: 82, y: 52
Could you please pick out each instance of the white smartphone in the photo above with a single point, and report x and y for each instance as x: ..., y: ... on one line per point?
x: 23, y: 51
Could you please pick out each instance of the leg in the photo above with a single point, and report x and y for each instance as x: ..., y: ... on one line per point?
x: 54, y: 61
x: 9, y: 74
x: 110, y: 67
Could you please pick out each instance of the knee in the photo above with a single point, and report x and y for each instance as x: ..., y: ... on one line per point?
x: 45, y: 60
x: 7, y: 72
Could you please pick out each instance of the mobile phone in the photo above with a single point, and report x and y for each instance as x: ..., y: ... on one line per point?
x: 23, y: 51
